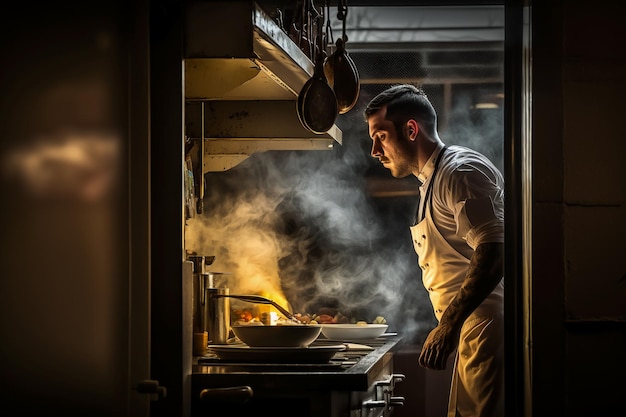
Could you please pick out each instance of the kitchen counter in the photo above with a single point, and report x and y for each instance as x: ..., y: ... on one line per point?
x: 355, y: 380
x: 358, y: 376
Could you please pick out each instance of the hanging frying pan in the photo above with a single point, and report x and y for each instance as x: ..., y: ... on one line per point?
x: 317, y: 104
x: 343, y: 77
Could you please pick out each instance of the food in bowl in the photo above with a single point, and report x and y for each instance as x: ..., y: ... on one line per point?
x: 328, y: 316
x: 299, y: 335
x: 356, y: 331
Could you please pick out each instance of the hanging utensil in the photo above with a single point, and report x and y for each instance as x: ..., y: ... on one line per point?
x: 343, y: 77
x: 317, y: 104
x: 300, y: 103
x: 341, y: 71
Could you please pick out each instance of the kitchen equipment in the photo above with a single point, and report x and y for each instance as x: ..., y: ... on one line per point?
x: 219, y: 279
x: 343, y: 77
x: 319, y: 104
x: 262, y: 300
x: 217, y: 315
x: 201, y: 279
x: 346, y: 332
x: 340, y: 70
x: 200, y: 262
x: 289, y: 382
x: 274, y: 355
x: 238, y: 88
x: 259, y: 335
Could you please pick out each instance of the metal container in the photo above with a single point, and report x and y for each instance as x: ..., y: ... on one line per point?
x: 201, y: 280
x: 217, y: 317
x: 199, y: 286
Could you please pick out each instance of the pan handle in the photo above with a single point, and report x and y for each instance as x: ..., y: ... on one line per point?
x: 261, y: 300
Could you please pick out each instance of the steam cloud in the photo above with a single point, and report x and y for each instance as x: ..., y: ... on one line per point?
x: 301, y: 223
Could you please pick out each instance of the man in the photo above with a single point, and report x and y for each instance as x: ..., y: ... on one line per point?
x: 458, y: 236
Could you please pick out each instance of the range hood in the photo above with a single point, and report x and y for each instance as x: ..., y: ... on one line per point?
x: 243, y: 74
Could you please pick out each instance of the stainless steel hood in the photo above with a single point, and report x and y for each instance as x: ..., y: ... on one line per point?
x: 243, y: 74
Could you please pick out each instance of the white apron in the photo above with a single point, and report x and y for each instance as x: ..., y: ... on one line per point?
x: 477, y: 387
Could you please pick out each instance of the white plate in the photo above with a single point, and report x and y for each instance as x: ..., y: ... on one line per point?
x: 353, y: 331
x: 243, y: 353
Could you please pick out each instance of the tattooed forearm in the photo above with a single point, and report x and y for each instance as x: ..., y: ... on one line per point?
x: 484, y: 273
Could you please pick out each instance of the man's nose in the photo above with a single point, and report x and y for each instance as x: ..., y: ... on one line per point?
x: 376, y: 149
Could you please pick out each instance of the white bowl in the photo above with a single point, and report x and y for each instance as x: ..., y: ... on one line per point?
x: 349, y: 332
x: 277, y: 336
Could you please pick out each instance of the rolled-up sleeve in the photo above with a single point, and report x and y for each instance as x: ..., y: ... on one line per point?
x: 478, y: 205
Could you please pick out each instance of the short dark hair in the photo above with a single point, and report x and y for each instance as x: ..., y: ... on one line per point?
x: 404, y: 102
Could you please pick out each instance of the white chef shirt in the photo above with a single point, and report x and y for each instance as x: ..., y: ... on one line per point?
x: 466, y: 206
x: 467, y: 198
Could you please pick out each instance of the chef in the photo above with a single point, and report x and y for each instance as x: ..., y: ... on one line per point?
x: 458, y: 236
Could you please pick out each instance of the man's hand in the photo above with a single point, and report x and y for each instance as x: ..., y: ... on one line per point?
x: 440, y: 343
x: 484, y: 273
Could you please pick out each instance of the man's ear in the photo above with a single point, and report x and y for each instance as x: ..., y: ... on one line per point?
x: 413, y: 129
